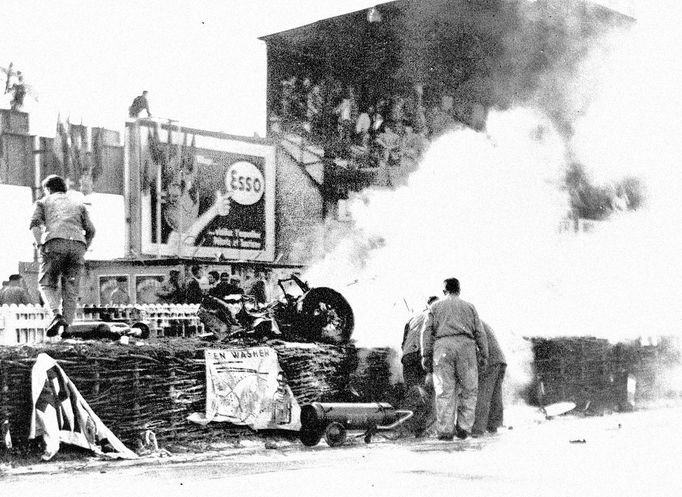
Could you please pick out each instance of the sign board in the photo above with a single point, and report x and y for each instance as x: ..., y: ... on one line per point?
x: 201, y: 194
x: 17, y: 243
x: 246, y: 386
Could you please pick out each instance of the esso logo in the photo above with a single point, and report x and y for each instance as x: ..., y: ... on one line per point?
x: 245, y: 183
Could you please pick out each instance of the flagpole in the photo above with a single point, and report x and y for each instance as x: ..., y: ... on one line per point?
x: 37, y: 154
x: 182, y: 182
x: 158, y: 205
x: 126, y: 186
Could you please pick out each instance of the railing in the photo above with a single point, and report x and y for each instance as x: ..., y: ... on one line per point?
x: 25, y: 324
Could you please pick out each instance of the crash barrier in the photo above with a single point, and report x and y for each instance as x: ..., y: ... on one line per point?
x: 156, y: 385
x: 598, y: 375
x: 26, y: 324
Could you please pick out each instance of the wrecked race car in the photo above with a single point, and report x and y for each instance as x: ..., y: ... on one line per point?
x: 302, y: 314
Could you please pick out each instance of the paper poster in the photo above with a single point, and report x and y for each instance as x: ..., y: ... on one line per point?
x: 146, y: 287
x: 246, y: 386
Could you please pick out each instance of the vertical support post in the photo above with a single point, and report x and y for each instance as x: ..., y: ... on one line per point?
x: 37, y: 172
x: 136, y: 390
x: 96, y: 385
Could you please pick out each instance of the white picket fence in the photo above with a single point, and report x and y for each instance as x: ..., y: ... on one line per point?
x: 20, y: 324
x: 26, y: 324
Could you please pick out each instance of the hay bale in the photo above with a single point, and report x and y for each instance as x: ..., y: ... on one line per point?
x: 158, y: 384
x: 373, y: 378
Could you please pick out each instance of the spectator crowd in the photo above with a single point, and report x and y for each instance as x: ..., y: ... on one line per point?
x: 200, y: 283
x: 374, y: 133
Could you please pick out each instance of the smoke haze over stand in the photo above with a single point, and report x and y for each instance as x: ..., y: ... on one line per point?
x: 484, y: 208
x: 487, y: 209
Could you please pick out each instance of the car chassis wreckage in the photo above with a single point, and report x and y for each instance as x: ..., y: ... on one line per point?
x: 302, y: 314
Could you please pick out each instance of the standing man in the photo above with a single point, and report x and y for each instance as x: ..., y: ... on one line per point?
x: 213, y: 279
x: 450, y: 336
x: 489, y: 407
x: 139, y: 104
x: 15, y: 293
x: 193, y: 291
x: 63, y: 232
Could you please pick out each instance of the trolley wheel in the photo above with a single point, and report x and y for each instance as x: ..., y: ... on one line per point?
x: 335, y: 434
x: 310, y: 438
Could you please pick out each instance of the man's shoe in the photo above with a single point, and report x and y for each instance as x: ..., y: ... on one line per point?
x: 53, y: 328
x: 461, y: 434
x: 444, y: 437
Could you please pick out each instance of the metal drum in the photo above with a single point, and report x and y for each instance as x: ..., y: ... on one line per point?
x: 334, y: 419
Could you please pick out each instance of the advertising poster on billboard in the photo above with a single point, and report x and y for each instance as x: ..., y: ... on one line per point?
x: 114, y: 290
x: 146, y: 288
x: 205, y: 194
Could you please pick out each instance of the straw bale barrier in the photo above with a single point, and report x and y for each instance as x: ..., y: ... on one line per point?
x: 157, y: 384
x: 593, y: 372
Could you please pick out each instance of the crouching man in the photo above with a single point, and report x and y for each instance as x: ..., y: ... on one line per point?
x: 418, y: 395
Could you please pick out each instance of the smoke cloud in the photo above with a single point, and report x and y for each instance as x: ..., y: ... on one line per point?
x: 486, y: 208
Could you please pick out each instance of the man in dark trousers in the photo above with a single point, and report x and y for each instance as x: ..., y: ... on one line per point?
x: 489, y: 407
x: 451, y: 334
x: 63, y: 232
x: 193, y: 292
x: 139, y: 104
x: 418, y: 396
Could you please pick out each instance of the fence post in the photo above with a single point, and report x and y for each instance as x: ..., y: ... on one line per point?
x: 96, y: 386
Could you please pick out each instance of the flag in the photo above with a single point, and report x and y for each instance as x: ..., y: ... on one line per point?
x: 10, y: 72
x: 97, y: 159
x: 76, y: 153
x: 58, y: 148
x: 156, y: 157
x: 61, y: 414
x: 66, y: 147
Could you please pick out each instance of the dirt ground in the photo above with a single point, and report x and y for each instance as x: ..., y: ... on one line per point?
x: 622, y: 454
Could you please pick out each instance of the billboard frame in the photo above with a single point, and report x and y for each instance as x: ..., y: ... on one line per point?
x: 141, y: 239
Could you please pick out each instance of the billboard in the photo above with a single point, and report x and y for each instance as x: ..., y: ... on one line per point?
x: 201, y: 194
x: 17, y: 243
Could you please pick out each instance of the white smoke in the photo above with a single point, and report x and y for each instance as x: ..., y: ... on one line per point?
x: 486, y: 208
